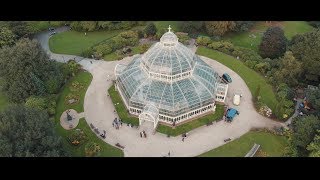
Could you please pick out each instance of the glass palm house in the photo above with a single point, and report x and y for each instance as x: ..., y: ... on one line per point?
x: 169, y: 83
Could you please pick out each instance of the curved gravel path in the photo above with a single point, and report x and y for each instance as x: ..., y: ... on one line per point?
x: 98, y: 110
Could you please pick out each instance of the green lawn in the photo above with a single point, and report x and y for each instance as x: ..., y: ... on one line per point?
x: 79, y: 151
x: 82, y: 77
x: 273, y: 145
x: 244, y: 39
x: 292, y: 28
x: 73, y: 42
x: 252, y: 78
x: 192, y: 124
x: 121, y: 108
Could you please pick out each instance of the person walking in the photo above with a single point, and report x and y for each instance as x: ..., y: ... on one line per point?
x: 183, y: 139
x: 169, y: 153
x: 141, y: 134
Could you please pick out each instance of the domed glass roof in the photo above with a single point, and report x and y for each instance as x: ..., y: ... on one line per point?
x: 172, y: 78
x: 168, y: 56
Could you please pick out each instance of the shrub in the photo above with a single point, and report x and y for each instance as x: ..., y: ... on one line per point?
x: 251, y: 64
x: 77, y: 138
x: 183, y: 37
x: 36, y: 102
x: 76, y: 86
x: 75, y: 97
x: 223, y: 46
x: 73, y: 67
x: 262, y: 67
x: 103, y: 49
x: 92, y: 149
x: 203, y: 40
x: 87, y: 53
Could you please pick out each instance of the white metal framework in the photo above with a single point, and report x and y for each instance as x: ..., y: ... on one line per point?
x: 168, y: 79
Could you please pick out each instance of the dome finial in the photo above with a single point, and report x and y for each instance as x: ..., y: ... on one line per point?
x: 169, y: 28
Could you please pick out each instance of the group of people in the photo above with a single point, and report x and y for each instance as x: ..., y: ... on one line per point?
x: 143, y: 134
x: 117, y: 123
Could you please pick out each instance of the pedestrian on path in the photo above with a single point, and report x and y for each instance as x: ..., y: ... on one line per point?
x: 141, y: 134
x: 169, y: 153
x: 183, y: 139
x: 91, y: 62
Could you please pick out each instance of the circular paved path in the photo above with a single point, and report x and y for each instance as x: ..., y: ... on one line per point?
x: 72, y: 123
x: 98, y: 110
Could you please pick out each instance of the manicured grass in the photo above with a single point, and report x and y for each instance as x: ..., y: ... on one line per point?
x: 121, y: 108
x: 79, y: 151
x: 292, y: 28
x: 175, y: 25
x: 243, y: 39
x: 273, y: 145
x: 82, y: 77
x: 192, y: 124
x: 252, y: 78
x: 73, y: 42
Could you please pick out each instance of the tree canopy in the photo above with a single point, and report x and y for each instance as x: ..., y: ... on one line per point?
x: 305, y: 48
x: 289, y: 71
x: 25, y: 68
x: 219, y: 28
x: 7, y: 37
x: 273, y: 43
x: 150, y: 29
x: 27, y: 132
x: 304, y: 131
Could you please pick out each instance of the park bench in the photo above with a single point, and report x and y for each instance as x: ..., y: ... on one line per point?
x: 91, y: 125
x: 120, y: 146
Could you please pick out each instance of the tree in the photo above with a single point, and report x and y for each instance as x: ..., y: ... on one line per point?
x: 150, y: 29
x: 315, y: 24
x: 25, y: 68
x: 289, y: 71
x: 304, y: 131
x: 314, y: 146
x: 219, y: 28
x: 19, y: 28
x: 241, y: 26
x: 84, y: 25
x: 191, y: 26
x: 27, y: 132
x: 305, y: 48
x: 314, y: 99
x: 273, y: 43
x: 7, y: 37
